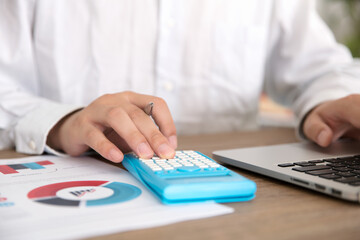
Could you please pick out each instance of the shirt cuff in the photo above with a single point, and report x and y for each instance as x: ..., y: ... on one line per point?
x: 32, y: 130
x: 52, y: 151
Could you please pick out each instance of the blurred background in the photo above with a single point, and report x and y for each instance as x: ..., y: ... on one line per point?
x: 343, y: 18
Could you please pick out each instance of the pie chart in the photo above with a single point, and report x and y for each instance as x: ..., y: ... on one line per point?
x: 84, y: 193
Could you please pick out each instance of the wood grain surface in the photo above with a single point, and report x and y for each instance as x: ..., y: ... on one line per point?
x: 279, y: 211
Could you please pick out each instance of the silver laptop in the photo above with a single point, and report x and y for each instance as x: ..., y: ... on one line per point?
x: 334, y: 170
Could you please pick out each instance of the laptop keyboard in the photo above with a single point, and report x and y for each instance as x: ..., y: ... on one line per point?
x: 343, y: 169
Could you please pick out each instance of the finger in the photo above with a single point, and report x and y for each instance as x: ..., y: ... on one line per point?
x: 353, y: 133
x: 118, y: 119
x: 95, y: 139
x: 348, y: 109
x: 164, y: 120
x: 155, y: 138
x: 160, y: 113
x: 317, y: 130
x: 117, y: 141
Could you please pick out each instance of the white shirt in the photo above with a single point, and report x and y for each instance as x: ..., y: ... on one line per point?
x: 209, y: 59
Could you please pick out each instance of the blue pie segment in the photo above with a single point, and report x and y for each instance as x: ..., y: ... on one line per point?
x: 122, y: 192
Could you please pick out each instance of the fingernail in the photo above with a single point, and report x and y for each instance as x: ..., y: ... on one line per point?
x: 165, y: 151
x: 173, y: 141
x: 322, y: 137
x: 144, y: 150
x: 115, y: 155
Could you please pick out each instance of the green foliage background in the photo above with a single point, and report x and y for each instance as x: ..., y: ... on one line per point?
x: 353, y: 41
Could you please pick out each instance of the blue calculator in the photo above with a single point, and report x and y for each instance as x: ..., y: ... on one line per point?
x: 189, y: 177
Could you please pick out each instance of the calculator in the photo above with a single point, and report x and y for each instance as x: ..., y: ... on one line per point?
x: 189, y: 177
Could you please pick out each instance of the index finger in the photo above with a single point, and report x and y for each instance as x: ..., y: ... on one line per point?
x: 160, y: 113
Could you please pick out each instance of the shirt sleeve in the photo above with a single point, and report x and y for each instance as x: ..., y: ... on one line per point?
x: 25, y: 118
x: 306, y: 66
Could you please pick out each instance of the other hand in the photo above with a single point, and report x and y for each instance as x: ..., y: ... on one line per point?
x: 114, y: 124
x: 334, y: 119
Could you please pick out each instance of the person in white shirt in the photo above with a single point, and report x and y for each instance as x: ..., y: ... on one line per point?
x: 76, y: 75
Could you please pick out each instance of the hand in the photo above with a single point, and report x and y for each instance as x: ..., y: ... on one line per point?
x: 114, y: 124
x: 334, y: 119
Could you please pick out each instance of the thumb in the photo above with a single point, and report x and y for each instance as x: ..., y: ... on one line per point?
x: 317, y: 130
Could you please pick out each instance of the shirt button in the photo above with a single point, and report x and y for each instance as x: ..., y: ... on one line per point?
x: 168, y: 86
x: 32, y: 144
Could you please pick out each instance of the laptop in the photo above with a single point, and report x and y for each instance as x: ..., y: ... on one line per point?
x: 334, y: 170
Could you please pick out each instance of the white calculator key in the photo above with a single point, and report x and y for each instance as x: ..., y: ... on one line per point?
x: 163, y: 165
x: 181, y: 155
x: 168, y: 168
x: 203, y: 166
x: 188, y: 165
x: 156, y: 168
x: 192, y: 152
x: 177, y: 165
x: 183, y: 162
x: 210, y: 162
x: 214, y: 165
x: 172, y: 164
x: 196, y: 161
x: 175, y: 162
x: 150, y: 164
x: 160, y: 160
x: 146, y: 160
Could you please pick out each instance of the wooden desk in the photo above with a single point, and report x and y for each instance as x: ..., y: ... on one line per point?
x: 279, y: 211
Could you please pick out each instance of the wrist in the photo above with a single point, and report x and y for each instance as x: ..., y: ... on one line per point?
x: 56, y: 135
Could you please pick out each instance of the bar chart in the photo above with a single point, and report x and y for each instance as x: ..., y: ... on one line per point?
x: 16, y: 168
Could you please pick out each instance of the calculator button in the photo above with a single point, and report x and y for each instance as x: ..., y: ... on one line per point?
x: 203, y: 166
x: 188, y: 169
x: 146, y: 160
x: 176, y: 165
x: 215, y: 166
x: 152, y: 165
x: 221, y: 168
x: 156, y: 169
x: 160, y: 160
x: 184, y: 164
x: 188, y: 151
x: 188, y: 165
x: 168, y: 168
